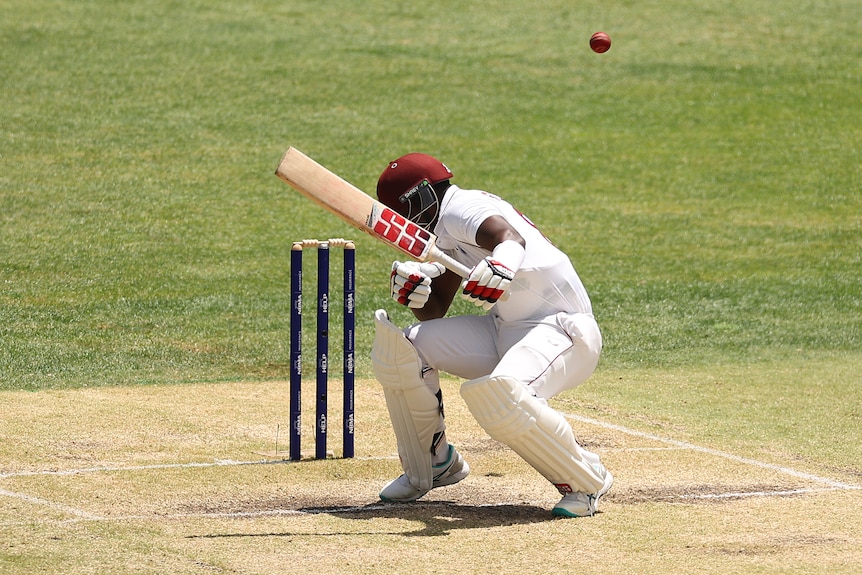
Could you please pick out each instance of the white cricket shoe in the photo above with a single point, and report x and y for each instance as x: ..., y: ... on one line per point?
x: 583, y: 504
x: 451, y: 471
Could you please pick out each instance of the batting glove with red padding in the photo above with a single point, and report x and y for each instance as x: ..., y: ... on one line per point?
x: 490, y: 279
x: 487, y: 283
x: 410, y: 282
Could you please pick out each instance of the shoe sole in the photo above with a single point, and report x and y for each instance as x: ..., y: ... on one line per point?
x: 411, y: 500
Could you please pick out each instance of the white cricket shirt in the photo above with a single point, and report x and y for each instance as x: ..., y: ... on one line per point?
x: 546, y: 283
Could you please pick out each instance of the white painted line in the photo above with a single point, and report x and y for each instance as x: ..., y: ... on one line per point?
x: 630, y: 449
x: 44, y: 502
x: 194, y: 464
x: 85, y: 470
x: 742, y: 494
x: 715, y: 452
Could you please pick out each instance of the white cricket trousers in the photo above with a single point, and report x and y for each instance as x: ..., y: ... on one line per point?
x: 550, y: 355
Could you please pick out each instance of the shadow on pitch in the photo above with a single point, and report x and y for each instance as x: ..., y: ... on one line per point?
x: 435, y: 518
x: 443, y: 517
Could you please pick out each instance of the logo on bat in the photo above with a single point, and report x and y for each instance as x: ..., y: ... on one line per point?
x: 398, y: 230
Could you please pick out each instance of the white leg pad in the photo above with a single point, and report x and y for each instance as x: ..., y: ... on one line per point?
x: 413, y: 408
x: 509, y: 413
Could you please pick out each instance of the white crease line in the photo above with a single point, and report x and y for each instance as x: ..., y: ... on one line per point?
x: 216, y: 463
x: 630, y: 449
x: 742, y: 494
x: 715, y: 453
x: 58, y: 506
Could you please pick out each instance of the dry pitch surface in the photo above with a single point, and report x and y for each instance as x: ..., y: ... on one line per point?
x: 172, y: 480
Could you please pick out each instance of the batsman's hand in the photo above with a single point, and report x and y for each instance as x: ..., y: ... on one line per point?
x: 410, y: 282
x: 487, y: 283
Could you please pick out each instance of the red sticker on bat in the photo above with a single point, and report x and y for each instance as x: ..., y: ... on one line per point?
x: 398, y: 230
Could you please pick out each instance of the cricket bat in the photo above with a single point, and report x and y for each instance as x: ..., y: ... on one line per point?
x: 361, y: 210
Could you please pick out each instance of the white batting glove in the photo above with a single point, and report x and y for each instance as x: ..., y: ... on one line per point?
x: 410, y: 282
x: 490, y: 279
x: 487, y: 283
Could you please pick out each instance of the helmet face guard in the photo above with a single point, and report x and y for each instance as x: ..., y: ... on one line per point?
x: 422, y: 204
x: 407, y: 186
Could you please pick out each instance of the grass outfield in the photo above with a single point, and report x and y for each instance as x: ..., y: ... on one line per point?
x: 704, y: 175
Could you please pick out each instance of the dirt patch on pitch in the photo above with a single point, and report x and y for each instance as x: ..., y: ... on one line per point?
x: 775, y: 545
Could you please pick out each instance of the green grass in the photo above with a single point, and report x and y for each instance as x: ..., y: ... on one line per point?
x: 704, y: 174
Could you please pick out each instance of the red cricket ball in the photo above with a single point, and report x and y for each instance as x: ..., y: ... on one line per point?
x: 600, y: 42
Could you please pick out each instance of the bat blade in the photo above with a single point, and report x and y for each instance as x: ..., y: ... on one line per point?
x: 360, y: 210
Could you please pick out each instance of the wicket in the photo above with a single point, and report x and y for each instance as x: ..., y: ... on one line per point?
x: 322, y: 345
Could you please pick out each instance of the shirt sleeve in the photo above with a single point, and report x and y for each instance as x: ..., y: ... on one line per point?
x: 463, y: 215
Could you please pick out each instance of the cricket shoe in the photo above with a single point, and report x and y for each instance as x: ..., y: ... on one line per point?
x: 451, y: 471
x: 583, y: 504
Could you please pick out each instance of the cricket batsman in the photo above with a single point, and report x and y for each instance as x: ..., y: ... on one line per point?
x: 537, y: 339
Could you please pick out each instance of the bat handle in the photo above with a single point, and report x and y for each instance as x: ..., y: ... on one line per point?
x: 437, y: 255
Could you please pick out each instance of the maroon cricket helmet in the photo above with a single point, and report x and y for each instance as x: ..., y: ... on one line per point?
x: 406, y: 186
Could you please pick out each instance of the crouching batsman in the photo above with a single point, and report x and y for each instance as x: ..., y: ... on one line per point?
x: 537, y: 339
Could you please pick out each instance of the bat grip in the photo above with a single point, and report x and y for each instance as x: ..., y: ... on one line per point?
x: 437, y: 255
